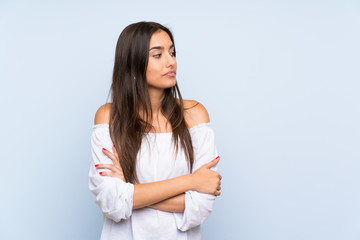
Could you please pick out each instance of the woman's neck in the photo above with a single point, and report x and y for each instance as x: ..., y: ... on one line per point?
x: 158, y: 121
x: 156, y: 97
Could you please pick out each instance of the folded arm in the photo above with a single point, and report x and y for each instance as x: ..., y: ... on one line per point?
x: 173, y: 204
x: 117, y: 199
x: 167, y: 195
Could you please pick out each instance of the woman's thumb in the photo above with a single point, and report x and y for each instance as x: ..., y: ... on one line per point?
x: 213, y: 162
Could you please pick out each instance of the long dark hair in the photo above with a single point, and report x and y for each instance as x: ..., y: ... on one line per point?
x: 130, y: 93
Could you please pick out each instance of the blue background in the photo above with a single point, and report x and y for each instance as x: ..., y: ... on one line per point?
x: 280, y: 80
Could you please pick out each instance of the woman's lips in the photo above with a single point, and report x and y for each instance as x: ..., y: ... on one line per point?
x: 170, y: 74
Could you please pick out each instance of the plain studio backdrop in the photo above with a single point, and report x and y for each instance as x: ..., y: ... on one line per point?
x: 280, y: 80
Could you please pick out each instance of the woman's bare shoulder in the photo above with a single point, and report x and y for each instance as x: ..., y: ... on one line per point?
x: 195, y: 113
x: 102, y: 115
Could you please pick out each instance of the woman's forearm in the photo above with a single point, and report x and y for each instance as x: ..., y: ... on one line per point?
x: 203, y: 180
x: 151, y: 193
x: 173, y: 204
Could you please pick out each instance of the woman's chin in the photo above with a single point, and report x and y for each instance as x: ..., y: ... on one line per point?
x: 170, y: 82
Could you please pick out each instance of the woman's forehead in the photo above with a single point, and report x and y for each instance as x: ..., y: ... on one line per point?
x: 160, y: 40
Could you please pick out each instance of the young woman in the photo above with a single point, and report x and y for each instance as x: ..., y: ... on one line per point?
x: 154, y: 154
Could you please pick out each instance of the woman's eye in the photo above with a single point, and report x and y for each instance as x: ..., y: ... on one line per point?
x: 159, y: 55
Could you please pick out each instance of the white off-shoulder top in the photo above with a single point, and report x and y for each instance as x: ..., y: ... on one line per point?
x: 156, y: 161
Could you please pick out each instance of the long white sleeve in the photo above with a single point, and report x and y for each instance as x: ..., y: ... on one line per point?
x: 198, y: 206
x: 113, y: 196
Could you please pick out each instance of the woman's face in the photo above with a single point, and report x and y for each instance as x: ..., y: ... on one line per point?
x: 161, y: 68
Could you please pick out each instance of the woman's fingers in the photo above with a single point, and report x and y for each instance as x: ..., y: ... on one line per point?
x: 113, y: 174
x: 109, y: 154
x: 212, y: 163
x: 113, y: 156
x: 106, y: 166
x: 117, y: 162
x: 115, y: 168
x: 111, y: 167
x: 108, y: 174
x: 114, y: 171
x: 105, y: 173
x: 115, y: 152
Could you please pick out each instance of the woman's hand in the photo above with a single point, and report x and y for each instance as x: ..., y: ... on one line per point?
x: 115, y: 168
x: 206, y: 180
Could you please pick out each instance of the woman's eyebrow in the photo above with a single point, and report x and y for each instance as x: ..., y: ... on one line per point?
x: 161, y: 48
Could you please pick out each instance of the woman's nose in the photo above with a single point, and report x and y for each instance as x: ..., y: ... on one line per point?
x: 170, y: 60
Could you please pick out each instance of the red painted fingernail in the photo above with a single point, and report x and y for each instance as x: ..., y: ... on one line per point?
x: 100, y: 173
x: 217, y: 157
x: 104, y: 149
x: 96, y: 165
x: 114, y: 145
